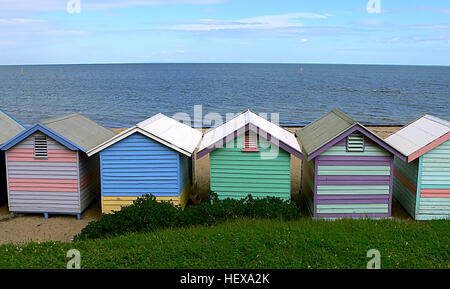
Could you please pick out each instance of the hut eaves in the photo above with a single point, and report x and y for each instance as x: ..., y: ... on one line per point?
x: 216, y: 135
x: 420, y: 136
x: 163, y: 129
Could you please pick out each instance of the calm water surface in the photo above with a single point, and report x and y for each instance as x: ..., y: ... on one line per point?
x: 120, y: 95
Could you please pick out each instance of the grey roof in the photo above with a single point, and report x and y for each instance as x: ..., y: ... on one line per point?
x: 80, y: 130
x: 9, y: 127
x: 318, y: 133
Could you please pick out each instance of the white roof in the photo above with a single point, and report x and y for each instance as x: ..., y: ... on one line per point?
x: 163, y: 129
x: 248, y: 117
x: 418, y: 134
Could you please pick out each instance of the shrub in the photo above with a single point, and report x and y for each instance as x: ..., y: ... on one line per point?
x: 146, y: 215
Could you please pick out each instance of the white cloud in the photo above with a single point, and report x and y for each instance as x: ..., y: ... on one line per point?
x: 20, y: 20
x: 32, y: 5
x: 7, y: 43
x: 259, y: 22
x: 371, y: 22
x: 445, y: 10
x: 413, y: 39
x: 60, y: 5
x: 127, y: 4
x: 432, y: 26
x: 65, y: 32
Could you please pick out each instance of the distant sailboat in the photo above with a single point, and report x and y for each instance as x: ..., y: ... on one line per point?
x: 22, y: 72
x: 301, y: 71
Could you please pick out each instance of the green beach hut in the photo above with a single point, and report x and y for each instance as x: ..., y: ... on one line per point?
x: 250, y: 155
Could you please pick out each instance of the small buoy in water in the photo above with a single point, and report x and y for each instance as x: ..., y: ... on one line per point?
x: 301, y: 71
x: 22, y: 72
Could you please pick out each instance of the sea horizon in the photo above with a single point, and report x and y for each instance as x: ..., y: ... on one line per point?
x: 288, y: 63
x: 121, y: 94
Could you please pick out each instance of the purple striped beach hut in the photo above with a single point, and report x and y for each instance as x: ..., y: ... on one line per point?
x: 347, y: 170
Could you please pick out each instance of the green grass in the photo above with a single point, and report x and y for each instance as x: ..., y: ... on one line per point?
x: 248, y: 243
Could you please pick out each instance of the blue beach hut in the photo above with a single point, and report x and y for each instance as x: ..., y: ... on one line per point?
x: 152, y: 157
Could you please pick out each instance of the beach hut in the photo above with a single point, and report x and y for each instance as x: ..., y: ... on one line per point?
x: 347, y: 170
x: 422, y: 182
x: 153, y: 157
x: 250, y: 155
x: 9, y: 127
x: 48, y: 170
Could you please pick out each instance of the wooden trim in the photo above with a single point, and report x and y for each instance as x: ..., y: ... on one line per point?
x: 45, y: 130
x: 256, y: 130
x: 391, y: 186
x: 419, y: 185
x: 428, y: 147
x: 128, y: 200
x: 78, y: 180
x: 7, y: 178
x: 367, y: 133
x: 316, y: 183
x: 126, y: 133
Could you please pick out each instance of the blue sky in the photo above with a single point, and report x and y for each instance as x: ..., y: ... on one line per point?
x: 282, y: 31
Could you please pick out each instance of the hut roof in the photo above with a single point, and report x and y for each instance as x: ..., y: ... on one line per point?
x: 80, y: 130
x: 329, y: 129
x: 420, y: 136
x: 9, y: 127
x: 320, y: 132
x: 215, y: 137
x: 74, y: 131
x: 163, y: 129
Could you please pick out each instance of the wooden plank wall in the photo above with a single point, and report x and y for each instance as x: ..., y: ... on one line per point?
x: 136, y: 166
x: 42, y: 185
x: 3, y: 188
x: 307, y: 185
x: 89, y: 174
x: 434, y: 202
x: 405, y: 184
x: 353, y: 184
x: 235, y: 174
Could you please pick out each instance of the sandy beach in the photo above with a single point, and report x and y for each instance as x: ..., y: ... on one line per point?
x: 34, y: 227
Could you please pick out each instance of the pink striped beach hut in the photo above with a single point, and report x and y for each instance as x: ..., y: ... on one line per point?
x: 9, y: 127
x: 48, y: 170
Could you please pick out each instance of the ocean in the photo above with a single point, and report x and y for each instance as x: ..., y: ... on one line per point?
x: 120, y: 95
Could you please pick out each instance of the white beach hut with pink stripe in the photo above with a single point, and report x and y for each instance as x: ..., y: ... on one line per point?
x: 48, y: 170
x: 422, y: 181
